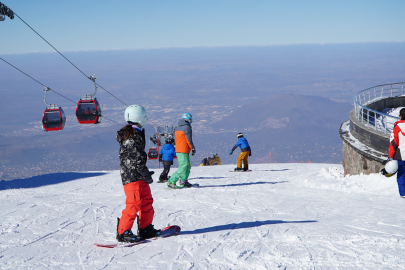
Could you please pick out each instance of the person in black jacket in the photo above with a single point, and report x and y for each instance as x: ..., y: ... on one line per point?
x: 136, y: 178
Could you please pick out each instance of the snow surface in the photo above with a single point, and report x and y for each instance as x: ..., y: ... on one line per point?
x: 288, y: 216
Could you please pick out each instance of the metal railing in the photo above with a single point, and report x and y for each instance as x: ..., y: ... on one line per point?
x: 380, y: 121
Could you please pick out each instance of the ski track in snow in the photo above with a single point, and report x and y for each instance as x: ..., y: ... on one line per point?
x: 287, y: 216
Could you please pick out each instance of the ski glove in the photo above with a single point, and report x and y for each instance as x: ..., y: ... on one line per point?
x: 147, y: 176
x: 386, y: 161
x: 160, y: 158
x: 192, y: 152
x: 231, y: 152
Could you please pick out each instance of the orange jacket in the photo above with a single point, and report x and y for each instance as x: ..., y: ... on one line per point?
x: 184, y: 137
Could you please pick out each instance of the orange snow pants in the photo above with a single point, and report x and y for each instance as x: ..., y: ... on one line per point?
x: 243, y: 156
x: 139, y: 199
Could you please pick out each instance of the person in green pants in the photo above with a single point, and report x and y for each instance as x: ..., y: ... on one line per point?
x: 184, y: 145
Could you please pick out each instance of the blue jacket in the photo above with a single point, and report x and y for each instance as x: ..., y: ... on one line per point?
x: 243, y: 144
x: 168, y: 152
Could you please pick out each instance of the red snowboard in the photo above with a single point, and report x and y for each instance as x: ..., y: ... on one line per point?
x: 166, y: 232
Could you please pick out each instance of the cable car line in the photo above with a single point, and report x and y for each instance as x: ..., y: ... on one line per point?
x: 151, y: 122
x: 112, y: 120
x: 36, y: 80
x: 111, y: 94
x: 88, y: 77
x: 4, y: 10
x: 47, y: 88
x: 51, y: 45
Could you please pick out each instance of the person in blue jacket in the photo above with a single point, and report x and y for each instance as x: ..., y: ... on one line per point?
x: 244, y: 154
x: 167, y: 153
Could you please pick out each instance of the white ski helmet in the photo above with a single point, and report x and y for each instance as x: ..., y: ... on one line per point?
x: 135, y: 114
x: 390, y: 168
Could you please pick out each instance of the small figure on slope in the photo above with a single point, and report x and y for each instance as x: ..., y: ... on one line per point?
x: 184, y: 144
x: 245, y: 153
x: 135, y: 177
x: 167, y: 153
x: 396, y: 150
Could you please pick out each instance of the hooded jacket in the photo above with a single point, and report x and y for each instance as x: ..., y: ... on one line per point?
x: 168, y: 152
x: 132, y: 157
x: 184, y: 137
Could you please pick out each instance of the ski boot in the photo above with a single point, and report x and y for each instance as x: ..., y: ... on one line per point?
x: 172, y: 186
x: 127, y: 236
x: 185, y: 184
x: 148, y: 232
x: 246, y: 168
x: 237, y: 169
x: 163, y: 178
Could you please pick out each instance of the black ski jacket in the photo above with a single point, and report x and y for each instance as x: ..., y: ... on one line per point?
x: 132, y: 157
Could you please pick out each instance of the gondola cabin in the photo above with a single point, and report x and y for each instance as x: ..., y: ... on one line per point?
x: 88, y: 111
x: 153, y: 154
x: 53, y: 119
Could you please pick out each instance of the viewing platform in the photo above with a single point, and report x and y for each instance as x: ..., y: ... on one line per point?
x: 366, y: 134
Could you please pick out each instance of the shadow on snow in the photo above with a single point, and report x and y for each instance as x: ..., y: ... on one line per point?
x: 45, y: 180
x: 271, y: 170
x: 244, y: 184
x: 208, y: 177
x: 242, y: 225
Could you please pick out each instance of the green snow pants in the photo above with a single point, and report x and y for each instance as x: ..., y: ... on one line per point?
x: 183, y: 171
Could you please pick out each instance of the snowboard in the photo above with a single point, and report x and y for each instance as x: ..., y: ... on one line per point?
x: 166, y: 232
x: 178, y: 187
x: 241, y: 171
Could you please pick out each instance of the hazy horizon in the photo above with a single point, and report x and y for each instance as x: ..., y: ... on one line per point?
x: 210, y: 83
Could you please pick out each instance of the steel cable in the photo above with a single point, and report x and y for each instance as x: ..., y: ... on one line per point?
x: 49, y: 87
x: 67, y: 58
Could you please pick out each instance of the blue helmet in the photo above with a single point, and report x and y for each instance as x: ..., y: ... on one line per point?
x: 188, y: 117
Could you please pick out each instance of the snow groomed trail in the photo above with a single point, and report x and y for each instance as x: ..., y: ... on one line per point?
x: 288, y: 216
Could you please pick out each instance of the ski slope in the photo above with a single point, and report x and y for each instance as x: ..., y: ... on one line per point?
x: 288, y: 216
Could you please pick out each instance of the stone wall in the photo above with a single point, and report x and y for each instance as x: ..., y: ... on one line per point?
x: 355, y: 162
x: 358, y: 157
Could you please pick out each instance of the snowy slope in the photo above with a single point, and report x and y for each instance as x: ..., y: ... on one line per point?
x: 289, y: 216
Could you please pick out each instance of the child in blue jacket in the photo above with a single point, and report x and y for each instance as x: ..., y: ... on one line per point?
x: 167, y: 153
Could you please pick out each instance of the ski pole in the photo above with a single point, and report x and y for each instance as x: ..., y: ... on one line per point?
x: 191, y: 162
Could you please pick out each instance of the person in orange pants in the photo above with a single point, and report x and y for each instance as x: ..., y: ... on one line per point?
x: 139, y: 199
x: 136, y: 178
x: 244, y: 154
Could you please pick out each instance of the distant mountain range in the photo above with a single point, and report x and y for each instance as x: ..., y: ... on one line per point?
x: 305, y: 126
x: 286, y: 111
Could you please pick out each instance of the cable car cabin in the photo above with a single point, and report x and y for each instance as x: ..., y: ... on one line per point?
x: 88, y: 111
x: 53, y: 119
x: 153, y: 154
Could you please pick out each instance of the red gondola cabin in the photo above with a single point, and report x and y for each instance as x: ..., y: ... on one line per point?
x: 88, y: 111
x: 153, y: 154
x: 53, y: 119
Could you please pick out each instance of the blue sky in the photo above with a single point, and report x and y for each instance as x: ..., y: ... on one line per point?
x: 105, y: 25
